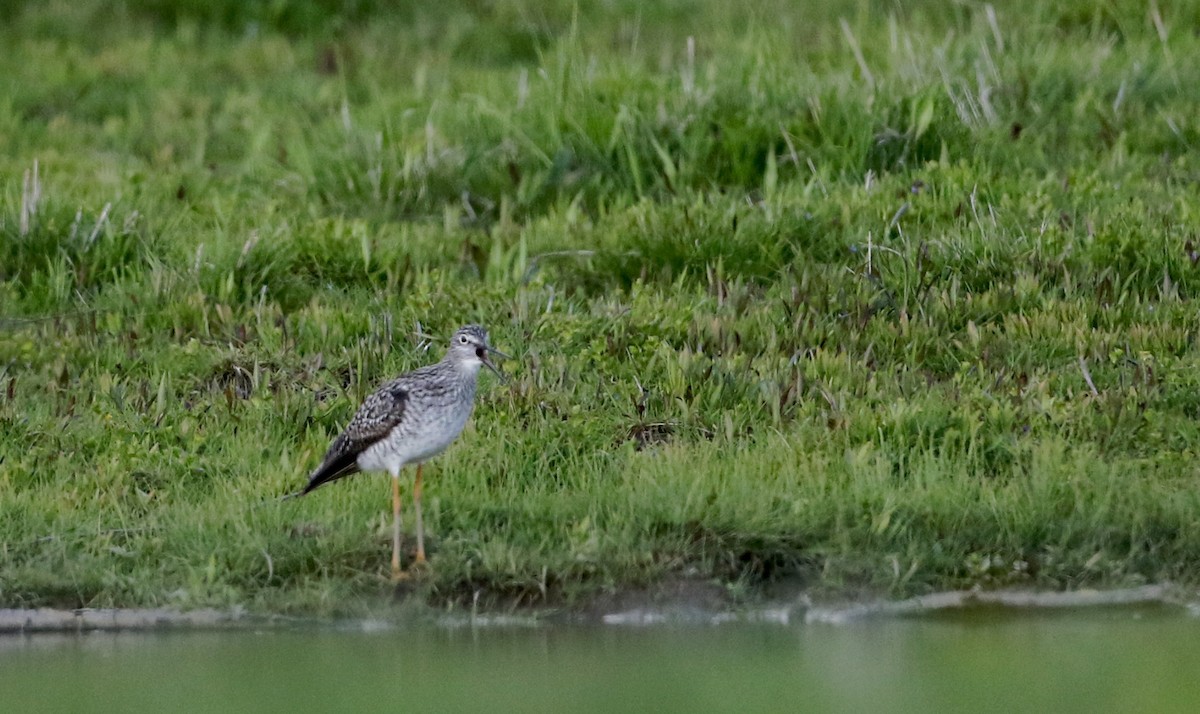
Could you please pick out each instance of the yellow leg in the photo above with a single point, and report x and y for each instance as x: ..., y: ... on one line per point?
x: 396, y: 572
x: 420, y: 525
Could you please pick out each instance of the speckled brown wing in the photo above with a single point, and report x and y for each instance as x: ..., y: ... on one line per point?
x: 375, y: 418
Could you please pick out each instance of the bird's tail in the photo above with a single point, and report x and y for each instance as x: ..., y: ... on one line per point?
x: 335, y: 466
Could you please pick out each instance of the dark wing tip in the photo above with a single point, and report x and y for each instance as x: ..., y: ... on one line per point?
x: 341, y: 460
x: 373, y: 421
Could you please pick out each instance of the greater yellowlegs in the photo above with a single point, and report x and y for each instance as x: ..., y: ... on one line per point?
x: 409, y: 420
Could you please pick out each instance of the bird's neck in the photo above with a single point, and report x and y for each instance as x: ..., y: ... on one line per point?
x: 467, y: 368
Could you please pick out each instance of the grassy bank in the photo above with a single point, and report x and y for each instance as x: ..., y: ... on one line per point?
x: 883, y: 296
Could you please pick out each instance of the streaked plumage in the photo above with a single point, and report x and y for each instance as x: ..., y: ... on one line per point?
x: 409, y: 420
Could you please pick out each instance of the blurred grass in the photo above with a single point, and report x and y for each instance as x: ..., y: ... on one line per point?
x: 868, y: 296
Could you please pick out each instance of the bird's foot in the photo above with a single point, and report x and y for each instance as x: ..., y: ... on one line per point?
x: 400, y: 576
x: 420, y: 566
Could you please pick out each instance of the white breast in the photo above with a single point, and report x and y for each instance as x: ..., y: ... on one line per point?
x: 414, y: 443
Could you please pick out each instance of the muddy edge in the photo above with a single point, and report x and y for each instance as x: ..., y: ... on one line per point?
x: 644, y: 608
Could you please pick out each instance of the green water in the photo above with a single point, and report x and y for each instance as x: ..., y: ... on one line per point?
x: 1124, y: 661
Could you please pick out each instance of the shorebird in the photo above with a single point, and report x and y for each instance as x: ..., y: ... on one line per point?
x: 409, y: 420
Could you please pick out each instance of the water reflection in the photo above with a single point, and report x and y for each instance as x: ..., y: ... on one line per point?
x: 1140, y: 660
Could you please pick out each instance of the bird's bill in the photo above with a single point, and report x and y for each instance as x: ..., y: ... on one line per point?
x: 490, y: 365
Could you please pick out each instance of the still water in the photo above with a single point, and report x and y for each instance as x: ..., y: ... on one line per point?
x: 1139, y: 660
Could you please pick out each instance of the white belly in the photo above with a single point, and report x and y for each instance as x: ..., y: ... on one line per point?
x: 414, y: 445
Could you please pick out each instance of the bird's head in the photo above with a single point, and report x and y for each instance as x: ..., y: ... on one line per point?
x: 469, y: 347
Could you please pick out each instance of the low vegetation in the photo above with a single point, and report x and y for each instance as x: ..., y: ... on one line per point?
x: 872, y: 296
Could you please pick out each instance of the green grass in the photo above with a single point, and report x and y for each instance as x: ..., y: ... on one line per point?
x: 884, y: 297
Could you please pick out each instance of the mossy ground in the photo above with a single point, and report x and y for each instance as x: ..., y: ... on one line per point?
x: 892, y: 296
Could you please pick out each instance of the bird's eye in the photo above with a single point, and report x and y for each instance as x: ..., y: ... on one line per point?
x: 462, y: 339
